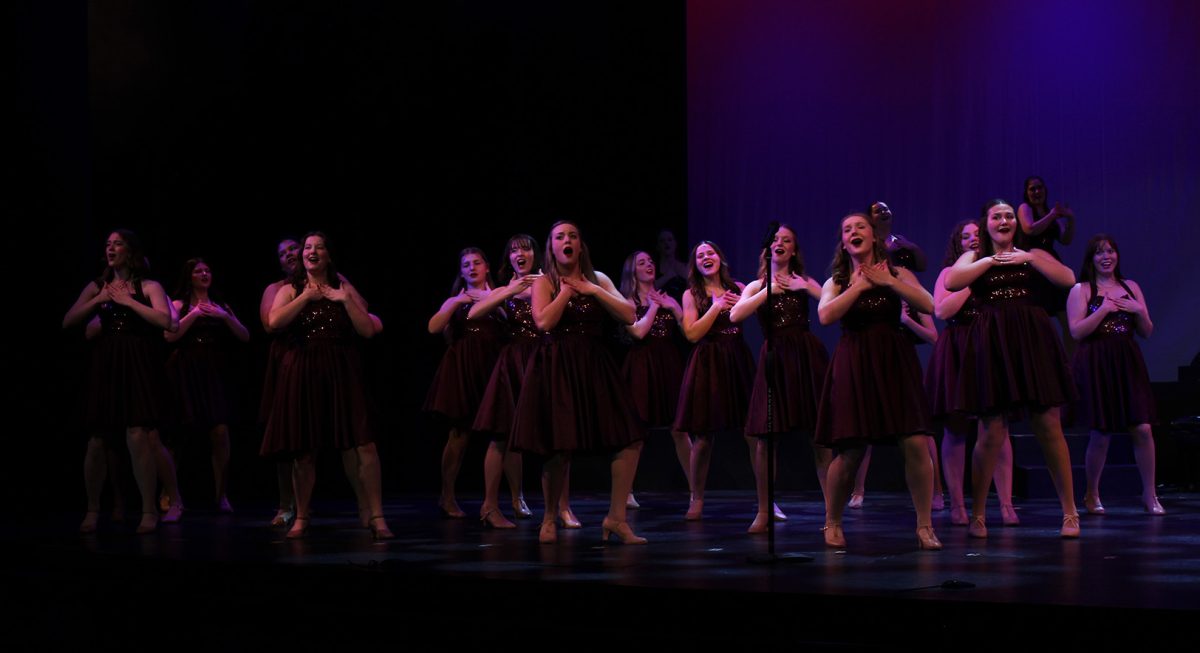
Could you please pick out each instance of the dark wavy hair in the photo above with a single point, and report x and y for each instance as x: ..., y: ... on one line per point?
x: 300, y: 276
x: 795, y: 264
x: 986, y: 247
x: 696, y: 280
x: 517, y: 240
x: 460, y: 283
x: 551, y: 264
x: 183, y: 289
x: 841, y: 266
x: 139, y: 265
x: 1087, y: 271
x: 954, y: 248
x: 1037, y: 212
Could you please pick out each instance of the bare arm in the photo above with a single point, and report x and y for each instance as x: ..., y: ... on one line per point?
x: 695, y: 326
x: 185, y: 322
x: 348, y: 296
x: 966, y: 270
x: 235, y: 325
x: 442, y: 317
x: 753, y: 296
x: 288, y: 305
x: 265, y: 304
x: 606, y: 293
x: 641, y: 327
x: 1055, y: 272
x: 547, y: 310
x: 1033, y: 227
x: 1137, y: 305
x: 835, y: 302
x: 923, y: 326
x: 947, y: 304
x: 89, y: 298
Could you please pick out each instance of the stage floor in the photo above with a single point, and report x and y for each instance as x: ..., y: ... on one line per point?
x: 1128, y: 572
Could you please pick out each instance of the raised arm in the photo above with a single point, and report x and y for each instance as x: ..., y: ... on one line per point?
x: 966, y: 270
x: 947, y: 304
x: 753, y: 296
x: 89, y: 298
x: 442, y: 317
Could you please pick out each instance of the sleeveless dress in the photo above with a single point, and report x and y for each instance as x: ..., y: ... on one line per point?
x: 321, y: 398
x: 653, y: 369
x: 197, y: 369
x: 126, y: 382
x: 463, y: 374
x: 1050, y: 297
x: 941, y: 377
x: 498, y: 406
x: 1110, y: 372
x: 573, y: 397
x: 872, y: 392
x: 715, y: 395
x: 798, y: 373
x: 1013, y: 358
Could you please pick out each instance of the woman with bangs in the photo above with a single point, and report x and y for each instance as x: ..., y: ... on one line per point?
x: 321, y: 397
x: 1013, y: 361
x: 126, y: 380
x: 872, y: 392
x: 573, y: 399
x: 959, y: 310
x: 715, y: 393
x: 799, y: 363
x: 462, y: 376
x: 1105, y: 311
x: 653, y: 366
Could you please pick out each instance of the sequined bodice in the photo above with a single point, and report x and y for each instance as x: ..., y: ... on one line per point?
x: 204, y: 331
x: 789, y: 310
x: 664, y: 325
x: 116, y: 319
x: 582, y: 316
x: 966, y: 314
x: 322, y: 320
x: 487, y: 326
x: 1117, y: 323
x: 520, y: 319
x: 874, y: 306
x: 1007, y: 285
x: 722, y: 327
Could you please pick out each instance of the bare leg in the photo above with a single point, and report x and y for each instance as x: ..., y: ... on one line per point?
x: 219, y: 436
x: 860, y: 481
x: 624, y: 468
x: 95, y: 468
x: 1002, y: 476
x: 1048, y: 430
x: 918, y: 474
x: 165, y: 466
x: 514, y: 469
x: 553, y: 481
x: 287, y: 495
x: 842, y: 471
x: 371, y: 478
x: 493, y: 469
x: 1097, y: 452
x: 352, y: 466
x: 1143, y: 453
x: 938, y: 490
x: 564, y: 499
x: 452, y: 457
x: 304, y: 476
x: 683, y: 452
x: 142, y: 448
x: 983, y: 464
x: 954, y: 462
x: 114, y: 473
x: 701, y: 459
x: 822, y: 456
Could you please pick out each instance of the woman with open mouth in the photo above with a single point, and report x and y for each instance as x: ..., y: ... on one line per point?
x: 653, y: 366
x: 198, y: 368
x: 573, y: 399
x: 959, y: 310
x: 1105, y: 310
x: 511, y: 301
x: 321, y: 399
x: 872, y: 392
x: 1013, y: 361
x: 134, y: 311
x: 288, y: 254
x: 1042, y: 226
x: 462, y: 376
x: 715, y: 393
x: 800, y: 360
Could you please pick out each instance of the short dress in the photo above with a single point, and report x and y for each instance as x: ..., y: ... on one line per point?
x: 461, y: 378
x: 1109, y: 370
x: 715, y: 394
x: 798, y: 374
x: 653, y: 369
x: 498, y: 405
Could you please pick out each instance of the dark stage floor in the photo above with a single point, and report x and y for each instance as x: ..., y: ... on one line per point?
x: 229, y: 578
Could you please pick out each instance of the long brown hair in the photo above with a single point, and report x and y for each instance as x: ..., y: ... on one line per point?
x: 300, y: 276
x: 551, y: 263
x: 986, y: 246
x: 842, y: 266
x: 696, y: 280
x: 137, y: 262
x: 459, y: 282
x: 629, y: 284
x: 183, y: 290
x: 954, y: 248
x: 1087, y: 272
x: 517, y: 240
x: 795, y: 263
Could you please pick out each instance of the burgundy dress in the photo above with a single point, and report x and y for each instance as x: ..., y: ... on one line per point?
x: 798, y: 374
x: 574, y: 398
x: 1114, y: 386
x: 1013, y: 359
x: 197, y: 369
x: 653, y: 369
x: 127, y: 382
x: 498, y: 406
x: 716, y: 384
x: 275, y: 354
x: 941, y: 377
x: 321, y: 398
x: 463, y: 374
x: 872, y: 392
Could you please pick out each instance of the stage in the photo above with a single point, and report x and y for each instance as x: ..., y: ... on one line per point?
x: 231, y: 581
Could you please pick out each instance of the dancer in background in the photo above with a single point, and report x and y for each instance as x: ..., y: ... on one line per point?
x: 1042, y: 227
x: 462, y: 376
x: 1105, y: 310
x: 800, y: 360
x: 959, y: 309
x: 672, y: 272
x: 653, y: 366
x: 126, y: 380
x: 198, y: 368
x: 715, y: 393
x: 872, y: 391
x: 573, y: 399
x: 1013, y: 361
x: 288, y: 253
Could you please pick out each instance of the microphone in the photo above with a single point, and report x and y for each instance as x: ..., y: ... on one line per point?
x: 769, y: 237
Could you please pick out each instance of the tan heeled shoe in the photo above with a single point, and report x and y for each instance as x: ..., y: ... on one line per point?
x: 958, y: 515
x: 521, y: 509
x: 834, y: 538
x: 759, y: 526
x: 1070, y: 527
x: 621, y: 530
x: 1092, y: 505
x: 496, y: 519
x: 856, y: 501
x: 695, y: 510
x: 90, y: 519
x: 1008, y: 515
x: 299, y: 528
x: 631, y: 503
x: 148, y: 524
x: 379, y: 528
x: 978, y: 527
x: 779, y: 514
x: 1153, y: 507
x: 569, y: 520
x: 548, y: 534
x: 451, y: 510
x: 927, y: 540
x: 283, y: 517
